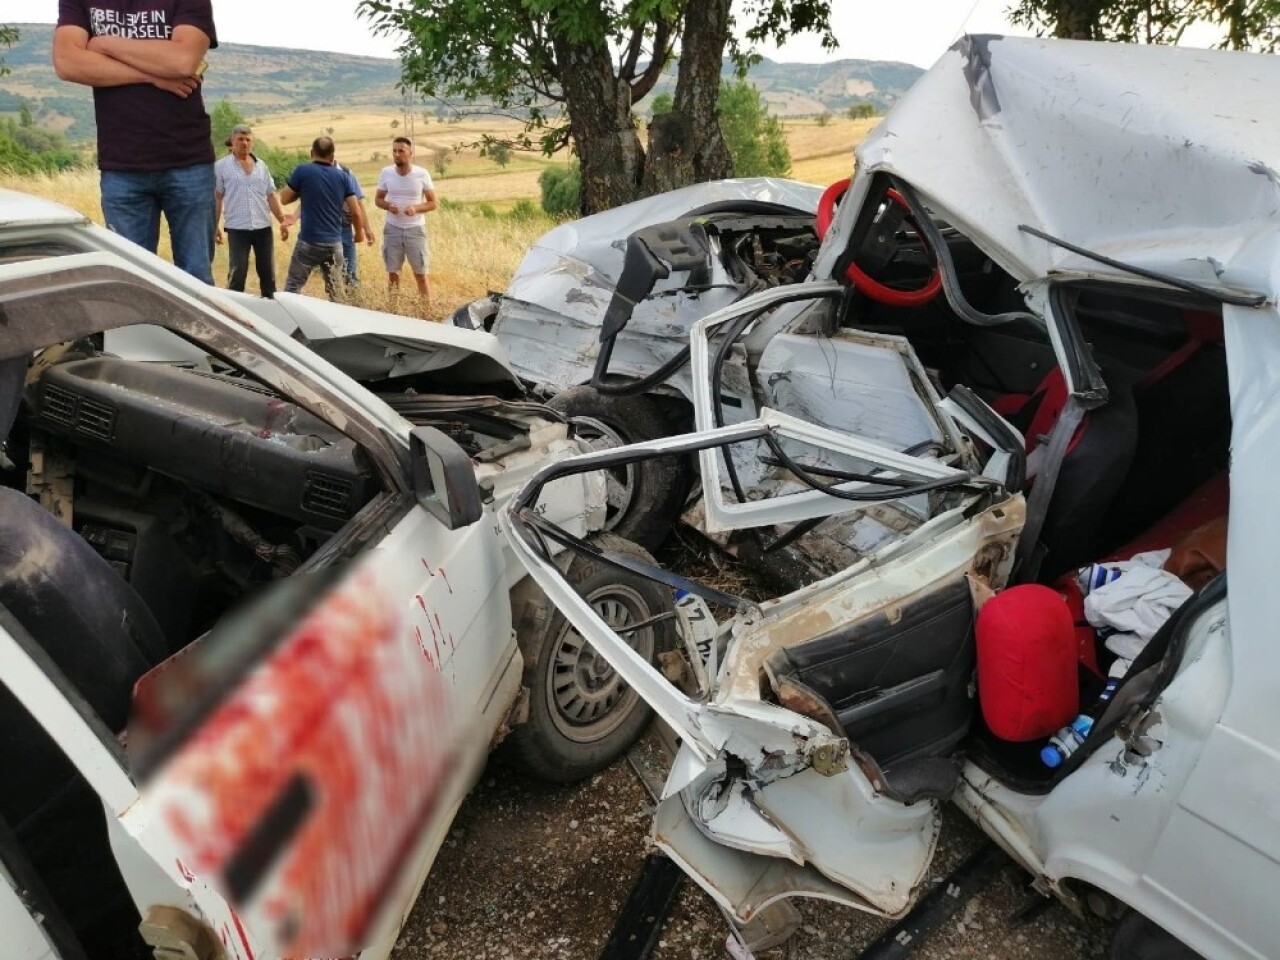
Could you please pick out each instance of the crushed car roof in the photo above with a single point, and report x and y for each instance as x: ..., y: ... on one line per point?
x: 1164, y: 157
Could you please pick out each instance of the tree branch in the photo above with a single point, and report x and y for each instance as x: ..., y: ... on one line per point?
x: 661, y: 37
x: 627, y: 69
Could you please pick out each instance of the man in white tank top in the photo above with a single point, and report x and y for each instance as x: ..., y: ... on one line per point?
x: 406, y: 192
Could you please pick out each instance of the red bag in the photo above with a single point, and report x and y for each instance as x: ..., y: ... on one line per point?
x: 1027, y: 654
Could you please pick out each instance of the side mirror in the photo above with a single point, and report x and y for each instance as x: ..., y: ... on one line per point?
x: 444, y: 480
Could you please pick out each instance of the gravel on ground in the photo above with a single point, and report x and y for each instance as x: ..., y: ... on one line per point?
x: 537, y: 870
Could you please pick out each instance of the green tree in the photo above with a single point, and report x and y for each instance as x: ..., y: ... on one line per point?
x: 32, y: 149
x: 440, y: 159
x: 8, y: 36
x: 824, y: 118
x: 755, y: 137
x: 575, y: 67
x: 499, y: 152
x: 224, y: 116
x: 662, y: 104
x: 1246, y: 24
x: 560, y: 187
x: 861, y: 111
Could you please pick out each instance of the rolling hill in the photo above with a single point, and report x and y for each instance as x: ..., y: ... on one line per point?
x: 263, y: 81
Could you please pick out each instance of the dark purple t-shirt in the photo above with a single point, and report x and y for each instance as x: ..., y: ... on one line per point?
x: 141, y: 127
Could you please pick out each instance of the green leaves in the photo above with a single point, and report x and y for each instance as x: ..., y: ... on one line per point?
x: 1246, y: 24
x: 756, y: 140
x: 520, y: 56
x: 8, y: 36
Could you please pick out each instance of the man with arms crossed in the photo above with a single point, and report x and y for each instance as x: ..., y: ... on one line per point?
x: 245, y: 193
x: 144, y: 60
x: 325, y: 191
x: 406, y: 192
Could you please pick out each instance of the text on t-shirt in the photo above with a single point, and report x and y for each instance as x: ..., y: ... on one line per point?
x: 139, y: 25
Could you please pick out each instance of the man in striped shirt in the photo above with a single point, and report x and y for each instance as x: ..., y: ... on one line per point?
x: 245, y: 195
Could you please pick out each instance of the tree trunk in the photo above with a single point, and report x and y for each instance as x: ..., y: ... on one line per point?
x: 599, y: 106
x: 1076, y: 19
x: 687, y: 145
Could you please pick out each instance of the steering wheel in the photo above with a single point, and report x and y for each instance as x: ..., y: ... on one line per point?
x: 856, y: 275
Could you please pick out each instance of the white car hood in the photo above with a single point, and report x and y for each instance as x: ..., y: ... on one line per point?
x: 370, y: 345
x: 1162, y: 157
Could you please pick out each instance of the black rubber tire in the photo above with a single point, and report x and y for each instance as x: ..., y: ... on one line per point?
x: 1137, y: 938
x: 657, y: 488
x: 560, y: 666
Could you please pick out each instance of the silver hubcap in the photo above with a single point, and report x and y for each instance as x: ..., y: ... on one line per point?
x: 620, y: 482
x: 590, y: 700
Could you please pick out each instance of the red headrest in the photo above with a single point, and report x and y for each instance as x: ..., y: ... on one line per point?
x: 1027, y: 681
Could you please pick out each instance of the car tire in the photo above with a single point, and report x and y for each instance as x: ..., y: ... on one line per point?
x: 644, y: 499
x: 1137, y: 938
x: 581, y: 715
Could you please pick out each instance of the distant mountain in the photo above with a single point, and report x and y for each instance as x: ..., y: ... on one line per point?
x: 268, y: 80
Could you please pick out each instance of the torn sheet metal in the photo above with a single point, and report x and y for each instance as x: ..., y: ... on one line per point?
x: 755, y: 776
x: 741, y: 883
x: 872, y: 363
x: 407, y: 345
x: 549, y: 318
x: 856, y: 383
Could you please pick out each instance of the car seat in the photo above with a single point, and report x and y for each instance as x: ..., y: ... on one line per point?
x: 1097, y: 461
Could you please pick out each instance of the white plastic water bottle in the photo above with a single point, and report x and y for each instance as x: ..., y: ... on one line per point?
x: 1067, y: 740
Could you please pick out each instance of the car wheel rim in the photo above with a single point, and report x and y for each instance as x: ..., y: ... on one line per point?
x: 589, y: 700
x: 620, y: 482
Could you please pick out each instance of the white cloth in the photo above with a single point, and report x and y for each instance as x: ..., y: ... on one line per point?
x: 1135, y: 605
x: 405, y: 191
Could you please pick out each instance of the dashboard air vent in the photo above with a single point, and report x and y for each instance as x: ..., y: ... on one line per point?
x: 328, y: 496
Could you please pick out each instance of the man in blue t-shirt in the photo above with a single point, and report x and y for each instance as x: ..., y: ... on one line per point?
x: 325, y: 191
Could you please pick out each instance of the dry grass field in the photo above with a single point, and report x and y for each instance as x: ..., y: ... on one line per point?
x: 475, y: 244
x: 470, y: 253
x: 819, y: 154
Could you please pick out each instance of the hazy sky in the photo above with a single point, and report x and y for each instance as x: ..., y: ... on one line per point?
x: 914, y: 31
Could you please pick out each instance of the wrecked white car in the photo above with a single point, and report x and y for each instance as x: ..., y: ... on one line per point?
x: 256, y: 626
x: 597, y: 318
x: 1095, y: 377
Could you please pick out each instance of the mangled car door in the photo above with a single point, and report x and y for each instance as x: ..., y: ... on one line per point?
x: 813, y: 754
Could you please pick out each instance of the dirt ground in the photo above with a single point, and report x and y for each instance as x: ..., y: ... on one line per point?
x: 533, y: 870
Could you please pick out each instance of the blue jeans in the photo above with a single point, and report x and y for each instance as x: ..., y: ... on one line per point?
x: 349, y: 252
x: 132, y: 203
x: 308, y: 256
